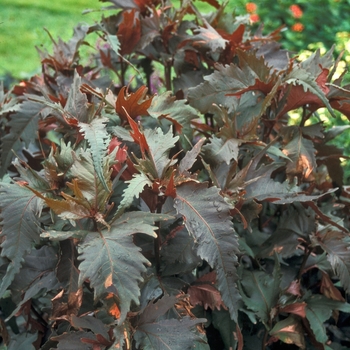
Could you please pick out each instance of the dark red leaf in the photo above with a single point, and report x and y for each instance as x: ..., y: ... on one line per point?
x: 137, y: 135
x: 203, y: 292
x: 295, y: 308
x: 129, y: 32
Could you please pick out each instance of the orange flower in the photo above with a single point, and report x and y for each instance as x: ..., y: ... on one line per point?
x: 296, y: 11
x: 297, y: 27
x: 254, y: 18
x: 251, y: 7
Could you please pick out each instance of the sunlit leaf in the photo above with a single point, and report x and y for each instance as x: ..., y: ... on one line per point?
x: 96, y: 135
x: 133, y: 104
x: 112, y: 262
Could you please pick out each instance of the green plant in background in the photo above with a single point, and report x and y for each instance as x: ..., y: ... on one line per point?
x: 322, y: 22
x: 160, y: 194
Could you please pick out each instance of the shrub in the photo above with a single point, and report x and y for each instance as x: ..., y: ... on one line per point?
x: 195, y: 217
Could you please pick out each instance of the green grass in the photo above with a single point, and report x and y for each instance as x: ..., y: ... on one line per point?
x: 21, y: 29
x: 22, y: 24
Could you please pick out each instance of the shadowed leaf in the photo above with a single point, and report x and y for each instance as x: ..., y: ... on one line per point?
x: 207, y: 218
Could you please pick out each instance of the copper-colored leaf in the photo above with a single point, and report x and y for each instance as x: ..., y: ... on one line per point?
x: 111, y: 304
x: 295, y: 308
x: 138, y: 136
x: 129, y: 32
x: 203, y: 292
x: 133, y: 104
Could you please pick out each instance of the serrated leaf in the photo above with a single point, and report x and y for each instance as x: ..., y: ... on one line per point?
x: 134, y: 104
x: 318, y: 310
x: 23, y: 128
x: 77, y: 102
x: 112, y: 262
x: 190, y: 157
x: 251, y: 73
x: 338, y: 254
x: 20, y: 227
x: 135, y: 187
x: 68, y: 209
x: 222, y: 150
x: 89, y: 182
x: 260, y: 290
x: 98, y: 138
x: 208, y: 39
x: 159, y: 146
x: 129, y: 31
x: 177, y: 111
x: 305, y: 78
x: 168, y: 334
x: 208, y: 219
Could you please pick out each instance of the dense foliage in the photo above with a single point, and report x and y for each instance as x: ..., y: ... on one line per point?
x: 195, y: 217
x: 305, y: 22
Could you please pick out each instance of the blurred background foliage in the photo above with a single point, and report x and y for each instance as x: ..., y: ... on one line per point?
x: 307, y: 25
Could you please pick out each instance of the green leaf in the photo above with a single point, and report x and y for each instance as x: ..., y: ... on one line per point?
x: 225, y: 80
x: 260, y: 290
x: 318, y: 310
x: 23, y: 127
x: 159, y: 146
x: 208, y: 220
x: 73, y: 340
x: 37, y: 277
x: 96, y: 135
x: 168, y: 334
x: 112, y: 262
x: 338, y: 254
x: 135, y: 187
x: 222, y: 150
x: 190, y: 157
x: 77, y: 105
x: 251, y: 73
x: 20, y: 209
x: 290, y: 331
x: 156, y: 309
x: 177, y: 111
x: 178, y: 254
x: 223, y: 323
x: 302, y: 153
x: 23, y: 341
x: 307, y: 79
x: 89, y: 182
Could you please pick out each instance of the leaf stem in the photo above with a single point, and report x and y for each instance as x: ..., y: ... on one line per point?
x: 302, y: 266
x: 158, y: 241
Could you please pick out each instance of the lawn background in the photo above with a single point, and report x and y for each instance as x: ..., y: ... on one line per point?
x: 21, y: 29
